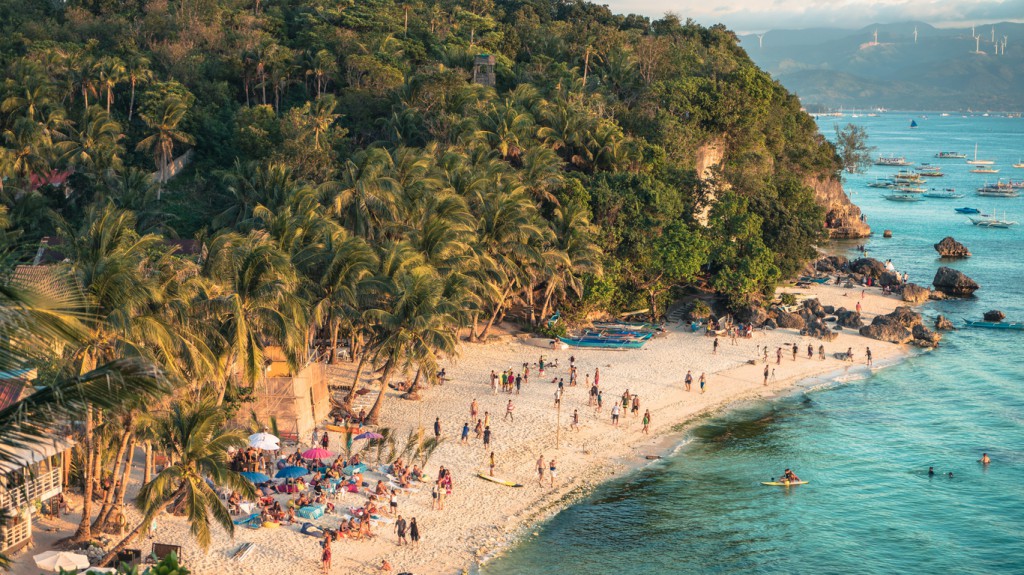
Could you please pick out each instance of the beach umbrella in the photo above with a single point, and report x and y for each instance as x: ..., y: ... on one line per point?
x: 264, y: 441
x: 58, y: 560
x: 255, y: 477
x: 369, y: 435
x: 291, y: 472
x: 317, y: 453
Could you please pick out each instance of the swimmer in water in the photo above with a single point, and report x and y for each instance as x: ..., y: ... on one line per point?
x: 931, y: 472
x: 985, y: 459
x: 951, y: 475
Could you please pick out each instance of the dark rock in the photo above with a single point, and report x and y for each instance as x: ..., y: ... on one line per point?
x: 950, y: 248
x: 829, y: 309
x: 937, y: 296
x: 924, y: 337
x: 887, y: 234
x: 913, y: 293
x: 769, y: 324
x: 954, y: 283
x: 890, y: 279
x: 830, y: 318
x: 895, y: 327
x: 832, y: 264
x: 868, y: 267
x: 942, y: 323
x: 790, y: 320
x: 753, y: 314
x: 994, y: 315
x: 818, y: 329
x: 848, y: 318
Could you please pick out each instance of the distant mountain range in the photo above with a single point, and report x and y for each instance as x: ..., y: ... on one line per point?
x: 941, y: 70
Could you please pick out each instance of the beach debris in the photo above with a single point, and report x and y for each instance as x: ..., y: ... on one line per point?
x: 950, y: 248
x: 954, y: 282
x: 994, y: 315
x: 942, y: 322
x: 913, y: 293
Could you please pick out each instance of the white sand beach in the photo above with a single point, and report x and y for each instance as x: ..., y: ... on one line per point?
x: 480, y: 514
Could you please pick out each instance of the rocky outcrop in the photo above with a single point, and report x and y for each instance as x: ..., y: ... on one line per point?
x: 889, y: 279
x: 868, y: 267
x: 950, y: 248
x: 994, y: 315
x: 924, y: 337
x: 842, y: 217
x: 954, y: 283
x: 913, y: 293
x: 818, y: 329
x: 790, y: 320
x: 752, y: 314
x: 895, y: 327
x: 848, y: 318
x: 943, y: 323
x: 769, y: 324
x: 829, y: 264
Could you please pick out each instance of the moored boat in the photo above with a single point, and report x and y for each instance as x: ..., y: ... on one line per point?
x: 977, y: 162
x: 966, y: 210
x: 891, y: 161
x: 992, y: 222
x: 602, y: 344
x: 984, y: 171
x: 995, y: 324
x: 951, y: 156
x: 948, y: 194
x: 902, y: 198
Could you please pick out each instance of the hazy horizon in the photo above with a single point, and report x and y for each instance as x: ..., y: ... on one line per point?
x: 751, y: 16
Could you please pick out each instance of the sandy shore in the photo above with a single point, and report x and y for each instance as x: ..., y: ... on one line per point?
x: 480, y: 515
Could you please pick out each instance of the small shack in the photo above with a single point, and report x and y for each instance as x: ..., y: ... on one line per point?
x: 297, y: 401
x: 483, y: 69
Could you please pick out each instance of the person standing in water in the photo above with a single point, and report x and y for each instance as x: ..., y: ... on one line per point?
x: 985, y: 460
x: 868, y: 353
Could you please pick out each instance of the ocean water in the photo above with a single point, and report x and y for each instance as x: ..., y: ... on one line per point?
x: 866, y: 444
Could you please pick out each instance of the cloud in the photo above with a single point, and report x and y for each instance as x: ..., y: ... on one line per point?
x: 760, y: 15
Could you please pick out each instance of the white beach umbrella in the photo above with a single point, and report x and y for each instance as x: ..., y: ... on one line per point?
x: 100, y: 570
x: 57, y: 560
x: 264, y: 441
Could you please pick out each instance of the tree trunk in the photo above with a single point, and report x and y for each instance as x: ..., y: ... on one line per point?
x: 494, y: 316
x: 529, y: 302
x: 473, y: 336
x: 547, y: 303
x: 355, y: 384
x: 131, y: 104
x: 108, y: 496
x: 108, y: 100
x: 335, y: 328
x: 112, y: 554
x: 147, y: 468
x: 413, y: 391
x: 84, y: 531
x: 127, y: 475
x: 374, y: 416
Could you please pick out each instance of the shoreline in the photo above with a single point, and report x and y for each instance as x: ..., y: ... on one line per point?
x: 473, y: 530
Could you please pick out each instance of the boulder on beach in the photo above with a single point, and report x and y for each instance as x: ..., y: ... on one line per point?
x: 889, y: 279
x: 924, y: 337
x: 950, y: 248
x: 752, y: 314
x: 818, y: 329
x: 913, y: 293
x: 954, y: 282
x: 895, y: 327
x: 788, y: 320
x: 942, y: 322
x: 831, y: 264
x: 848, y: 318
x: 769, y: 324
x: 868, y: 267
x: 994, y: 315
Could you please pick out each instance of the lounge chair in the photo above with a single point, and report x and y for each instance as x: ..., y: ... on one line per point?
x: 161, y: 550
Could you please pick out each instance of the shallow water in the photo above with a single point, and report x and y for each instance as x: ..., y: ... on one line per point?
x: 864, y: 445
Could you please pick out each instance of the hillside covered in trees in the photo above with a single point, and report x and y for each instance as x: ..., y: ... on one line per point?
x: 344, y: 151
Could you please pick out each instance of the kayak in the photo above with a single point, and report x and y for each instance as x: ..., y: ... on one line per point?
x: 498, y: 480
x: 784, y: 483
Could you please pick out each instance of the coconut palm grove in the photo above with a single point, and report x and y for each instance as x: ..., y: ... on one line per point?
x: 186, y: 184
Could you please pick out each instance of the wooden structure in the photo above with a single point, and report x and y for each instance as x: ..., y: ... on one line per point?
x: 298, y: 402
x: 483, y: 69
x: 31, y: 475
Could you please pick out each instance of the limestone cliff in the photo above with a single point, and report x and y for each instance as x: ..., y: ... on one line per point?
x: 842, y: 217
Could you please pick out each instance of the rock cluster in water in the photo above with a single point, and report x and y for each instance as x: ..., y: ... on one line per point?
x: 913, y: 293
x: 950, y: 248
x: 954, y: 283
x: 994, y: 315
x: 943, y: 323
x: 903, y: 325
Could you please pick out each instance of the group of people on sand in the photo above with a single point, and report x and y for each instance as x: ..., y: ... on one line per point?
x: 688, y: 380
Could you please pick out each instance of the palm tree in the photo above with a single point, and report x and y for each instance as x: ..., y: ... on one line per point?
x: 197, y: 441
x: 366, y: 202
x: 137, y: 70
x: 164, y: 125
x: 254, y: 303
x: 576, y: 254
x: 111, y: 72
x: 343, y: 275
x: 412, y: 327
x: 95, y: 146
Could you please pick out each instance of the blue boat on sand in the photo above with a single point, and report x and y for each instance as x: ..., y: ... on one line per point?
x: 603, y: 343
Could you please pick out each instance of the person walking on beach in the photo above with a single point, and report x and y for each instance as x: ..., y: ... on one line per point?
x: 615, y: 414
x: 794, y: 352
x: 492, y: 464
x: 465, y: 432
x: 597, y: 376
x: 647, y: 421
x: 494, y: 383
x: 810, y: 351
x: 479, y: 429
x: 325, y: 557
x: 868, y: 353
x: 400, y: 530
x: 765, y: 354
x: 437, y: 428
x: 600, y: 400
x: 778, y: 356
x: 766, y: 375
x: 519, y: 383
x: 849, y: 354
x: 575, y: 420
x: 591, y: 395
x: 552, y: 471
x: 714, y: 347
x: 821, y: 352
x: 689, y: 379
x: 393, y: 501
x: 540, y: 470
x: 414, y: 532
x: 858, y: 308
x: 487, y: 436
x: 703, y: 382
x: 473, y: 410
x: 487, y: 418
x: 508, y: 411
x: 435, y: 493
x: 636, y: 406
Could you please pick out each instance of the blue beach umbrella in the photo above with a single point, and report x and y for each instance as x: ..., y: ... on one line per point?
x: 291, y: 472
x: 255, y: 478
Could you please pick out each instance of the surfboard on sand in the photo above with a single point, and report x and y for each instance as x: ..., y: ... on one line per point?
x: 784, y: 483
x: 498, y: 480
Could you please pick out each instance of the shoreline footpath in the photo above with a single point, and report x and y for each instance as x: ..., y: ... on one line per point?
x: 482, y: 518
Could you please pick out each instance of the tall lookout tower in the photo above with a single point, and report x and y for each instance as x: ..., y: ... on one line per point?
x: 483, y: 69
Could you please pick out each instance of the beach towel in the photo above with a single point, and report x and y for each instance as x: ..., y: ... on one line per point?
x: 311, y: 512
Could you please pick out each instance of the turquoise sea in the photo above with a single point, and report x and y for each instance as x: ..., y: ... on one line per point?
x: 864, y: 444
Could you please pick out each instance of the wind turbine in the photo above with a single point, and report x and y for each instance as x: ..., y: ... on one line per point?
x: 915, y: 34
x: 875, y: 43
x: 1004, y: 45
x: 760, y: 40
x: 993, y: 34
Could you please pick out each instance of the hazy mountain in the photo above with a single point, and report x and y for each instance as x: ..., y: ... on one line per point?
x: 940, y: 71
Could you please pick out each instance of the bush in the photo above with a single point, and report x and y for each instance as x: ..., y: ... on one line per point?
x: 787, y: 299
x: 699, y: 310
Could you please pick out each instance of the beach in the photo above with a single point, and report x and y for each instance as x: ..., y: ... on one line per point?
x: 482, y: 517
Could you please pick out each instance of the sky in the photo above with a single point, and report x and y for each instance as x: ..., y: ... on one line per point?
x: 746, y: 16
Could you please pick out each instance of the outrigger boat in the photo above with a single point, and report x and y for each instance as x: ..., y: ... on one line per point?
x: 996, y: 324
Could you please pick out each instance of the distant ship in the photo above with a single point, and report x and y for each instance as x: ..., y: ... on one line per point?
x: 913, y: 124
x: 892, y: 161
x: 951, y: 156
x: 977, y: 162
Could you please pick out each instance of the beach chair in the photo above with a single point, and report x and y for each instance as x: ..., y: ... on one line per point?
x: 129, y: 556
x: 161, y: 550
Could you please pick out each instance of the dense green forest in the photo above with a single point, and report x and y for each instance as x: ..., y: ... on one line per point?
x: 355, y: 127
